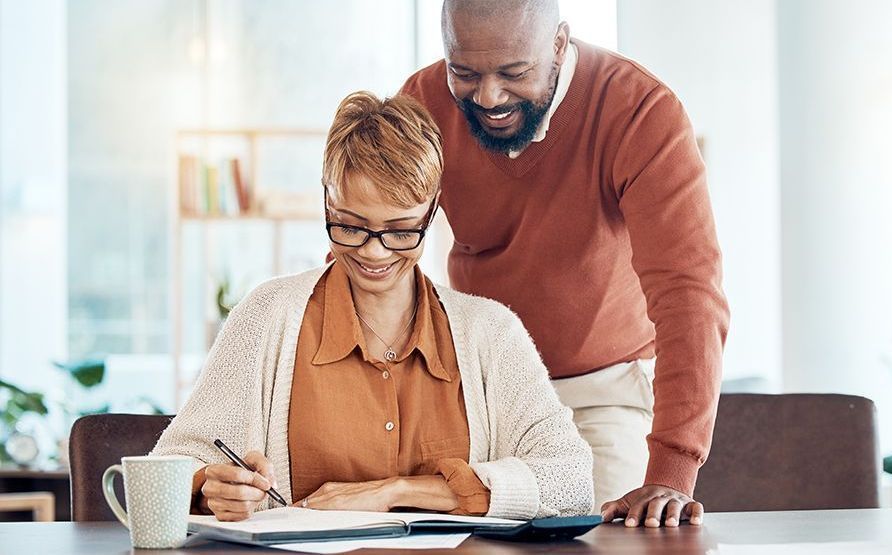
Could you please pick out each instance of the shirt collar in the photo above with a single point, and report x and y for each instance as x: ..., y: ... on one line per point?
x: 341, y: 331
x: 340, y: 326
x: 424, y: 334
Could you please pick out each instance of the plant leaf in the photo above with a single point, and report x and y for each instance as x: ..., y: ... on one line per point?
x: 29, y: 402
x: 21, y: 401
x: 88, y: 372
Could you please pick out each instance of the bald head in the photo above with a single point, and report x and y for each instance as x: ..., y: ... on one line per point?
x: 530, y: 19
x: 502, y: 63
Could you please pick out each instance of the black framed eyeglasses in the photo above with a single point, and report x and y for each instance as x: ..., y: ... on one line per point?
x: 392, y: 239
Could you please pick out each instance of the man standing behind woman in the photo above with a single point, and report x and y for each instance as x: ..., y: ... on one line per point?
x: 578, y: 197
x: 363, y: 386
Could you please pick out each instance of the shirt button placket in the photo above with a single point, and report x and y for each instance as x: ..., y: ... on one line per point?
x: 392, y: 413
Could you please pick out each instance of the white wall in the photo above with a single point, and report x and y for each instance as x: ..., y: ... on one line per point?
x: 836, y: 116
x: 793, y: 100
x: 720, y: 58
x: 33, y: 190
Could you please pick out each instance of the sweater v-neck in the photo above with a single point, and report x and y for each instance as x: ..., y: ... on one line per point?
x: 517, y: 167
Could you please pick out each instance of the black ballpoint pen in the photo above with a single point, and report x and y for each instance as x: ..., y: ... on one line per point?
x: 238, y: 460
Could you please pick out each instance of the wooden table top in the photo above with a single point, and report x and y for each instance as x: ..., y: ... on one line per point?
x: 861, y: 525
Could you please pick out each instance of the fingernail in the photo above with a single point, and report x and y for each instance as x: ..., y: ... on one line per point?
x: 696, y: 520
x: 671, y: 521
x: 631, y: 522
x: 604, y: 516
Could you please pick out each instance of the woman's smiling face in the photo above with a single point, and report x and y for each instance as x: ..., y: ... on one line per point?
x: 372, y: 267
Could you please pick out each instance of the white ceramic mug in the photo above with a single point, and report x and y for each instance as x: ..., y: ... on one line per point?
x: 158, y: 493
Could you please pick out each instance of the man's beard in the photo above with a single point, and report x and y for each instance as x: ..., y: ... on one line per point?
x: 532, y: 113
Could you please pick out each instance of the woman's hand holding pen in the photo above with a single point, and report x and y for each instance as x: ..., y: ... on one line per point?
x: 232, y: 493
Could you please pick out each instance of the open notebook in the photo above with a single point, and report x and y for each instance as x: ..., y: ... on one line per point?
x: 293, y: 524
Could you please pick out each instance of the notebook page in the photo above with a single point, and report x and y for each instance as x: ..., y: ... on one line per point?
x: 295, y: 519
x: 409, y: 518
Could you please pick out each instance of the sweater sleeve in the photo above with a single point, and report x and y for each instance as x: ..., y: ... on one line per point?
x: 223, y: 400
x: 541, y: 466
x: 660, y: 180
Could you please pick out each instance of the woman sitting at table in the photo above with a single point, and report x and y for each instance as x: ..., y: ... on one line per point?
x: 361, y: 385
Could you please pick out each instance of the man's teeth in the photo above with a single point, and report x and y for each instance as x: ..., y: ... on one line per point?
x: 376, y: 270
x: 499, y: 116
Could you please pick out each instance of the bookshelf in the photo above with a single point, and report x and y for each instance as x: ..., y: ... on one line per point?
x: 221, y: 181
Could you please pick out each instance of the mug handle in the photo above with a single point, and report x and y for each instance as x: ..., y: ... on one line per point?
x: 108, y: 488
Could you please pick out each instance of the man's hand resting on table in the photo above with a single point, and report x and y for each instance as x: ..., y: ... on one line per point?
x: 653, y: 505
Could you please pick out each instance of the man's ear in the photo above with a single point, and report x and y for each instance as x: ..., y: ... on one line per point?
x: 561, y: 42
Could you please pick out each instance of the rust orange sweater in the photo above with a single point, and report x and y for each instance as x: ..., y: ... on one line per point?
x: 601, y: 238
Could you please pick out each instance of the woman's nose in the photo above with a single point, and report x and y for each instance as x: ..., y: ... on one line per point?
x: 374, y: 249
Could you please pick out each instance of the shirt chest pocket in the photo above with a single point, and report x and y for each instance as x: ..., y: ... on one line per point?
x: 457, y: 447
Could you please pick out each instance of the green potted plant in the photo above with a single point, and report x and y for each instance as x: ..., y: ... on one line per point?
x: 224, y: 300
x: 88, y: 373
x: 19, y: 446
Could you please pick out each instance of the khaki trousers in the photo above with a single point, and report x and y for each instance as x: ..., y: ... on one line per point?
x: 613, y: 410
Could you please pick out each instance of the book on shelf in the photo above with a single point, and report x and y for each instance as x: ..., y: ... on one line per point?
x: 188, y: 169
x: 212, y: 189
x: 241, y: 189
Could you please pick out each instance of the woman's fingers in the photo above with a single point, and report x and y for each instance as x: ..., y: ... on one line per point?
x: 226, y: 509
x: 236, y: 475
x: 238, y: 492
x: 257, y: 461
x: 233, y: 493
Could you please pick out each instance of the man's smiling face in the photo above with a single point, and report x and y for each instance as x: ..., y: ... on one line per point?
x: 502, y: 72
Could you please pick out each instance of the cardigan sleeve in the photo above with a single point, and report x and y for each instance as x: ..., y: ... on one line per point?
x: 222, y: 402
x: 541, y: 465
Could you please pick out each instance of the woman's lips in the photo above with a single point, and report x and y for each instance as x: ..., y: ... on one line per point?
x: 376, y: 271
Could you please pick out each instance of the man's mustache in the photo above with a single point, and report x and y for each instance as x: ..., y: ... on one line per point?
x: 471, y: 106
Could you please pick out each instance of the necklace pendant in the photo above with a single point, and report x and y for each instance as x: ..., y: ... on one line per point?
x: 389, y: 355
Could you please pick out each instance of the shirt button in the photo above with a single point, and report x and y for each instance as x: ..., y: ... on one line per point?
x: 388, y: 426
x: 385, y: 374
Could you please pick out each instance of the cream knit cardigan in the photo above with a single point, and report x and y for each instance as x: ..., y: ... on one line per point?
x: 524, y: 445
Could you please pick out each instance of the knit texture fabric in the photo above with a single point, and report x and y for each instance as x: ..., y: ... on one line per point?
x: 524, y: 445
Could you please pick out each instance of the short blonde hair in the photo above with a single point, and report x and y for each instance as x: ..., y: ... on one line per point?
x: 393, y: 142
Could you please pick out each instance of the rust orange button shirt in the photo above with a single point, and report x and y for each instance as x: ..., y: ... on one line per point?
x: 353, y: 418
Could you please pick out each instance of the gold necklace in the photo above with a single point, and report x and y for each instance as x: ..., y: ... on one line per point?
x: 389, y: 353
